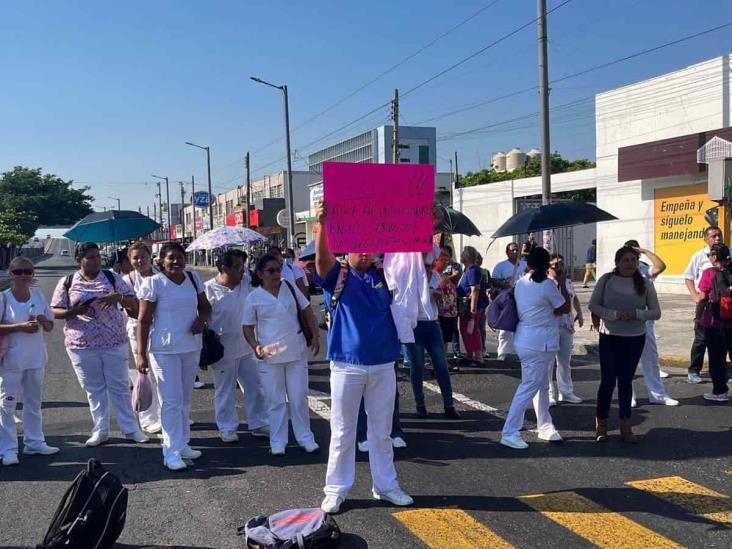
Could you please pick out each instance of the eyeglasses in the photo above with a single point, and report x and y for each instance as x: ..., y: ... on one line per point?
x: 273, y: 270
x: 22, y: 272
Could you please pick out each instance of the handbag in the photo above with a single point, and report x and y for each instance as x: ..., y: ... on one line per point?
x: 212, y: 350
x: 142, y: 393
x: 304, y: 326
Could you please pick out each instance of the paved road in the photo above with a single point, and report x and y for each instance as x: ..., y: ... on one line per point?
x: 670, y: 490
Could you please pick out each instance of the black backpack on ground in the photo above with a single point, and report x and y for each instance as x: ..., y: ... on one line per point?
x: 292, y: 529
x: 91, y: 514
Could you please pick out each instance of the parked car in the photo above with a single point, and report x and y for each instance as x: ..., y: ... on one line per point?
x: 64, y: 252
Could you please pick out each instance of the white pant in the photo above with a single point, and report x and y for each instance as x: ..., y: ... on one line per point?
x: 564, y: 359
x: 102, y: 374
x: 151, y: 416
x: 226, y: 373
x: 377, y: 386
x: 287, y: 387
x: 535, y: 368
x: 505, y: 343
x: 176, y: 374
x: 651, y: 366
x: 11, y: 384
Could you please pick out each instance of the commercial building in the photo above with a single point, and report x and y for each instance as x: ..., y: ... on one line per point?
x: 654, y: 142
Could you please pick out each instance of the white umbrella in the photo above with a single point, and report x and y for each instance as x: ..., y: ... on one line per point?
x: 223, y: 237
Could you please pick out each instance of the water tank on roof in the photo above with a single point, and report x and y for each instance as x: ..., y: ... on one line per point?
x: 533, y: 153
x: 515, y: 159
x: 499, y: 162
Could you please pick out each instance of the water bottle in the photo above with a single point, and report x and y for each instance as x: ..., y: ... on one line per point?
x: 273, y: 349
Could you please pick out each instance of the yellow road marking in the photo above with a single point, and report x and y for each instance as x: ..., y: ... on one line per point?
x: 691, y: 497
x: 440, y: 528
x: 595, y: 523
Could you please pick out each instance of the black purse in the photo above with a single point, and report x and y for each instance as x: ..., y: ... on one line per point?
x: 212, y: 350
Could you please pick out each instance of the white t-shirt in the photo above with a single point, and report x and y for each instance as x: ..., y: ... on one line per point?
x: 537, y: 329
x: 291, y: 273
x: 176, y: 310
x: 506, y: 269
x: 697, y: 265
x: 227, y: 310
x: 138, y: 278
x: 275, y: 319
x: 25, y: 351
x: 429, y: 312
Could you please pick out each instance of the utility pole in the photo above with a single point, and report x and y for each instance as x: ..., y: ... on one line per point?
x: 167, y: 199
x: 546, y: 183
x: 452, y: 181
x: 160, y: 205
x: 210, y: 192
x: 249, y: 184
x: 193, y: 201
x: 395, y: 133
x: 183, y: 208
x: 148, y: 211
x: 457, y: 171
x: 289, y: 169
x: 155, y: 211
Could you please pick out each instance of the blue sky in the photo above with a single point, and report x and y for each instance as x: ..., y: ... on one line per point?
x: 106, y: 93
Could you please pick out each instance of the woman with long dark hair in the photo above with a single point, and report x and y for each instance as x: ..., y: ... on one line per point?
x: 538, y: 300
x: 624, y: 300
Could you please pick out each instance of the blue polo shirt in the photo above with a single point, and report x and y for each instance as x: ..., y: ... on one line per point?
x: 362, y: 330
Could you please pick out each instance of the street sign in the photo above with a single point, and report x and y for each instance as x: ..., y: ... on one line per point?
x: 201, y: 199
x: 283, y: 218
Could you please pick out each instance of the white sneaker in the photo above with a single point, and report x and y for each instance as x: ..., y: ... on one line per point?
x: 552, y: 401
x: 311, y: 447
x: 277, y: 450
x: 138, y: 436
x: 514, y: 441
x: 175, y: 463
x: 550, y: 436
x: 397, y: 496
x: 190, y: 453
x: 10, y: 458
x: 96, y: 439
x: 17, y: 419
x: 398, y: 442
x: 228, y: 436
x: 664, y: 374
x: 667, y: 401
x: 364, y: 446
x: 153, y: 428
x: 716, y: 398
x: 262, y: 432
x: 501, y: 358
x: 571, y: 398
x: 633, y: 403
x: 42, y: 449
x: 332, y: 504
x: 198, y: 384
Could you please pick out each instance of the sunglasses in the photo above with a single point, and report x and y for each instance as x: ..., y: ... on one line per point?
x: 22, y: 272
x: 273, y: 270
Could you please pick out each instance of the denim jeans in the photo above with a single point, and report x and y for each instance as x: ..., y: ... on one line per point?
x: 428, y: 337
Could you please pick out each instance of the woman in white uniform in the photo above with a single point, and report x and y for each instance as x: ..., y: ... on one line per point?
x: 139, y: 258
x: 272, y: 330
x: 539, y: 301
x: 227, y: 294
x: 173, y: 313
x: 89, y: 301
x: 24, y: 316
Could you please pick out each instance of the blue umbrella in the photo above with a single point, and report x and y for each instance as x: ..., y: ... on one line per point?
x: 552, y: 216
x: 112, y: 226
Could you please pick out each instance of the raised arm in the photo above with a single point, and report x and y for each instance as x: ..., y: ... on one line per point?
x: 324, y: 258
x: 657, y: 264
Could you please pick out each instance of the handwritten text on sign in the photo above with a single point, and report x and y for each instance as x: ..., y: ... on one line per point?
x: 375, y: 208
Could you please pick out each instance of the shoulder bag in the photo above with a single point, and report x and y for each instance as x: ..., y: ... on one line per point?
x: 304, y: 327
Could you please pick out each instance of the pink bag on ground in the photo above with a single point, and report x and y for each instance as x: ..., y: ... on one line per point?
x: 142, y: 393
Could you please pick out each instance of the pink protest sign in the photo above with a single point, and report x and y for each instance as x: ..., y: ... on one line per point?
x: 375, y: 208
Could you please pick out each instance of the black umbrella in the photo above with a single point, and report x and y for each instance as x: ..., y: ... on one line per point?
x: 455, y: 222
x: 561, y: 214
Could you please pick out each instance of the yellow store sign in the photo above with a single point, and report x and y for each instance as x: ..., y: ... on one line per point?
x: 679, y: 223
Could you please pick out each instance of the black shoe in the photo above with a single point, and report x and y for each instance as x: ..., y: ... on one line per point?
x: 422, y: 411
x: 451, y: 413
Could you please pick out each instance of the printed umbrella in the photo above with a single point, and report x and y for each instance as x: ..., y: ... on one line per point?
x: 111, y: 226
x: 455, y: 222
x: 561, y: 214
x: 224, y: 237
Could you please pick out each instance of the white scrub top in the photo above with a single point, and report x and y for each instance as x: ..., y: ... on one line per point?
x: 428, y: 312
x: 135, y: 285
x: 505, y: 269
x: 227, y: 310
x: 275, y: 319
x: 25, y: 351
x: 175, y: 312
x: 537, y: 329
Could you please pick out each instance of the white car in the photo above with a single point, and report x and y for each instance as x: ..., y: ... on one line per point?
x: 64, y: 252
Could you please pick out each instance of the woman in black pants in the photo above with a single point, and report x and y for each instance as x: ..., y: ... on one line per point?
x: 624, y: 300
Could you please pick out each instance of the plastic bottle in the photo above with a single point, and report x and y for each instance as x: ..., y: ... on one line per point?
x: 273, y: 349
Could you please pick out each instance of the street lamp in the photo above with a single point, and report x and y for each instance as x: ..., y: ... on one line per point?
x: 290, y: 197
x: 119, y: 207
x: 210, y: 194
x: 167, y: 198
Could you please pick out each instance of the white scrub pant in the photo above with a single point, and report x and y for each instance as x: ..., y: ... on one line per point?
x: 505, y: 343
x: 535, y: 368
x: 377, y: 386
x: 651, y: 366
x: 563, y: 368
x: 287, y: 389
x: 11, y: 384
x: 176, y: 373
x: 226, y: 373
x: 151, y: 416
x: 102, y: 374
